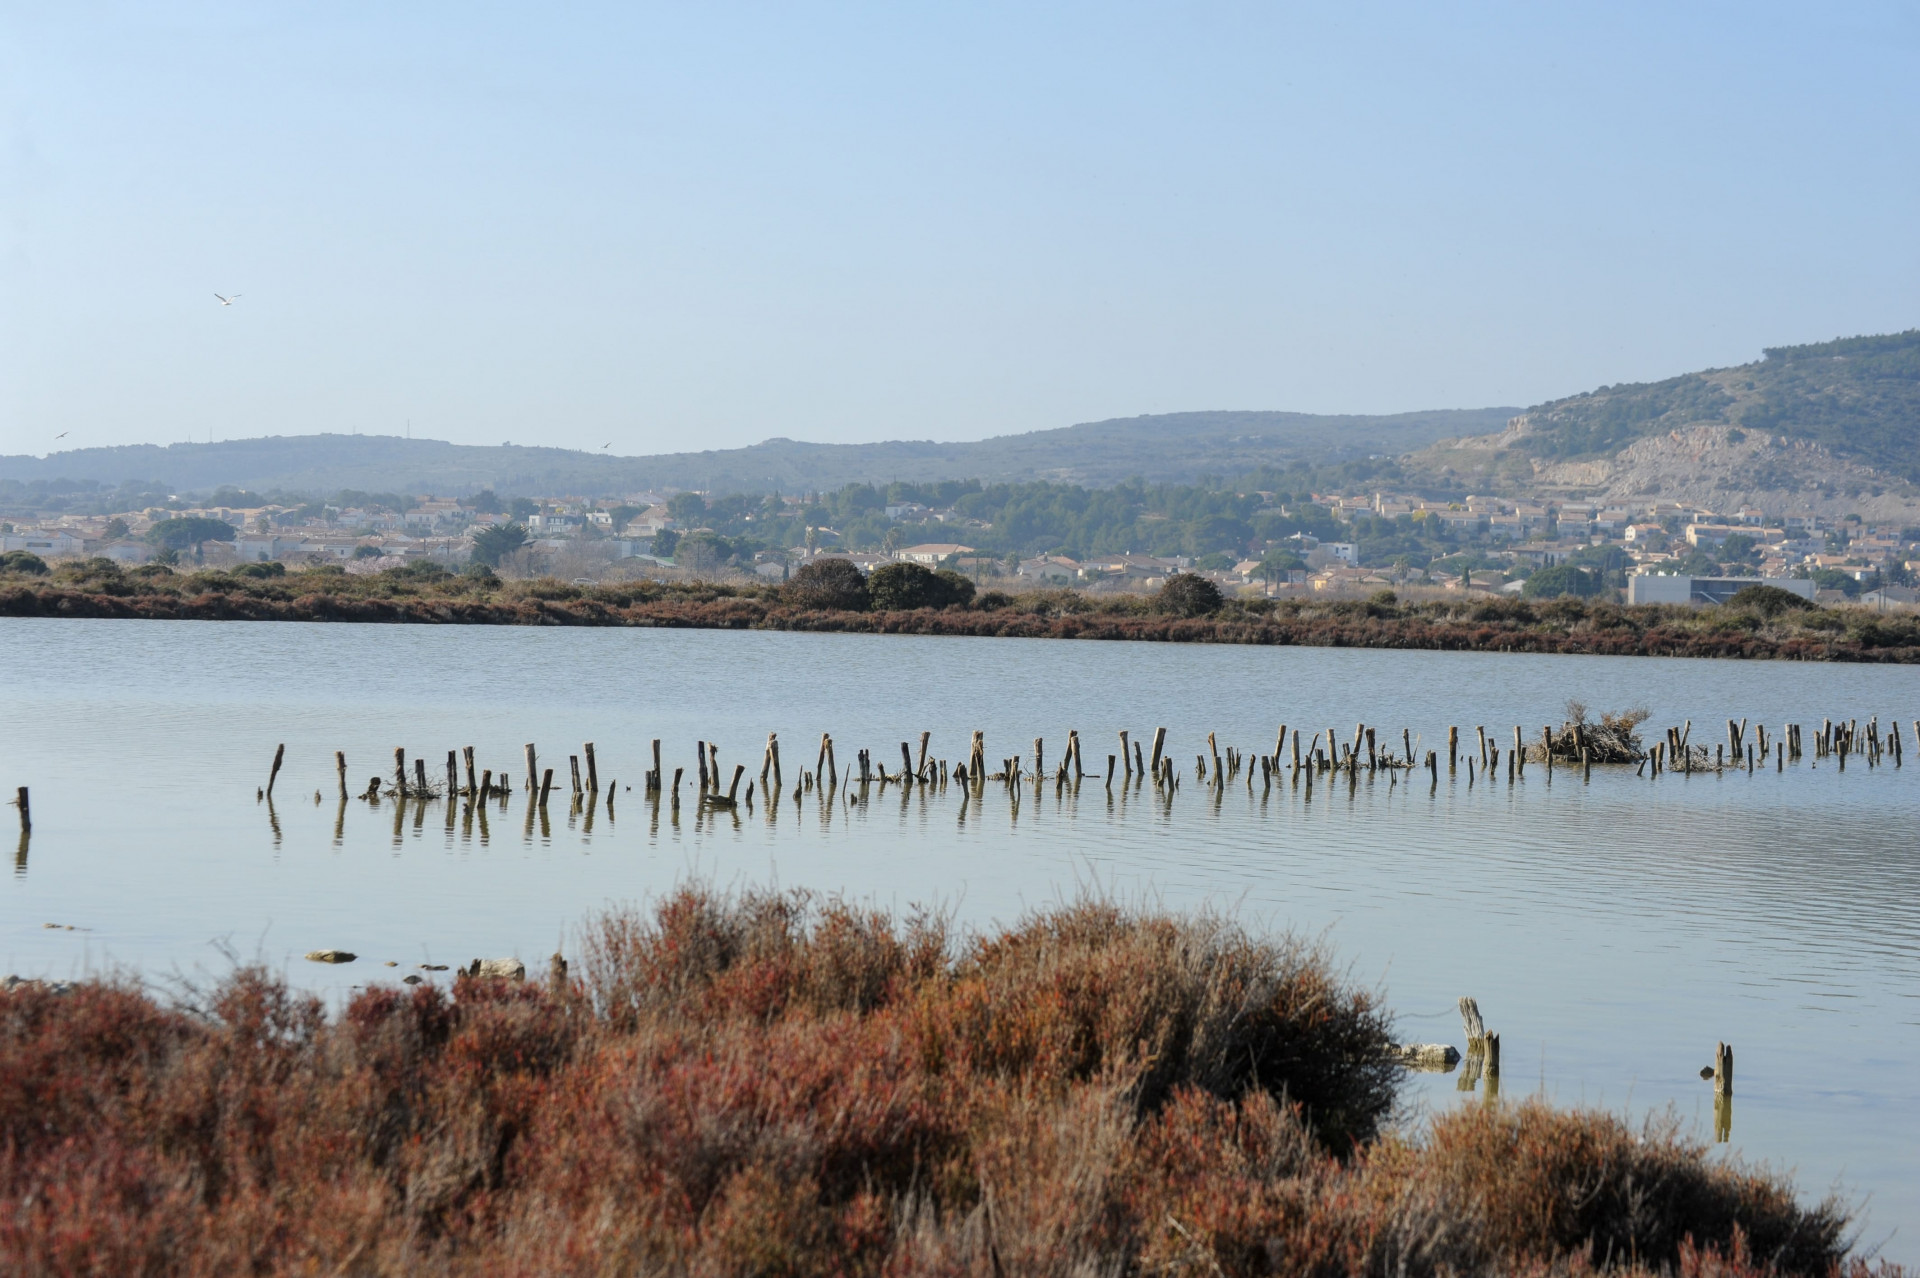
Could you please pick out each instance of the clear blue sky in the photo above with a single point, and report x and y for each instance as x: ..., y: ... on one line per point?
x: 703, y: 224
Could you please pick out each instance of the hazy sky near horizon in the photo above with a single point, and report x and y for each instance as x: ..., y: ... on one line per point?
x: 684, y: 226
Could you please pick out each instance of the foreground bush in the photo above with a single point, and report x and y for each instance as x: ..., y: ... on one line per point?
x: 768, y: 1084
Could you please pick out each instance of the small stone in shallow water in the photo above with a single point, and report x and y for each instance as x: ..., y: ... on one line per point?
x: 391, y: 963
x: 331, y: 956
x: 410, y: 979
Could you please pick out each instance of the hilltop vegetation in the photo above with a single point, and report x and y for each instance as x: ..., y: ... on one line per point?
x: 1858, y: 396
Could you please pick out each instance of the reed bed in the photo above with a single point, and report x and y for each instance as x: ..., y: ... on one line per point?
x: 775, y: 1083
x: 1385, y: 621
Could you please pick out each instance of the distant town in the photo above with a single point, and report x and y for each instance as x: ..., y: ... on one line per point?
x: 1252, y: 543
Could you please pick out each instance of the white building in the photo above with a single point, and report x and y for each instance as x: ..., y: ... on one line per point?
x: 1672, y: 588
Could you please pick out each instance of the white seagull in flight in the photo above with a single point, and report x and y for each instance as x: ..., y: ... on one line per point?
x: 228, y: 301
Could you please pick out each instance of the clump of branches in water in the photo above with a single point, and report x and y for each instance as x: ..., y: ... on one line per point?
x: 1614, y: 739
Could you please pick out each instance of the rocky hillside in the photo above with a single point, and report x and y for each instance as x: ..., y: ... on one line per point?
x: 1831, y: 428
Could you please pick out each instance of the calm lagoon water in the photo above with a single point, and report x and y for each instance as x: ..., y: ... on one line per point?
x: 1611, y: 930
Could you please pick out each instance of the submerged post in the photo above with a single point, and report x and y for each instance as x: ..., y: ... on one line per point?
x: 279, y: 753
x: 26, y: 809
x: 593, y: 769
x: 340, y: 766
x: 533, y: 769
x: 1159, y: 747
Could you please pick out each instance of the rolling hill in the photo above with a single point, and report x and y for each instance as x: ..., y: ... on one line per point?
x: 1177, y: 447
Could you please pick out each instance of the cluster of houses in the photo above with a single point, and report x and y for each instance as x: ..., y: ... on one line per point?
x: 1654, y: 537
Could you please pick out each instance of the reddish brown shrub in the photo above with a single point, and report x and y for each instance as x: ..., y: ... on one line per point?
x: 774, y: 1083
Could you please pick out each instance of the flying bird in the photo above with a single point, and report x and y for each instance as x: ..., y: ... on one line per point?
x: 608, y: 444
x: 228, y: 301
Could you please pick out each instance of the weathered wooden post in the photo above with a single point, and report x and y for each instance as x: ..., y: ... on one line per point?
x: 1453, y: 748
x: 573, y: 763
x: 773, y: 744
x: 420, y: 777
x: 546, y: 786
x: 340, y: 768
x: 593, y: 769
x: 279, y: 754
x: 533, y: 771
x: 919, y: 769
x: 1073, y: 748
x: 906, y: 763
x: 1126, y: 759
x: 700, y: 758
x: 1476, y: 1028
x: 486, y: 786
x: 1493, y: 1066
x: 1110, y: 772
x: 653, y: 778
x: 20, y: 801
x: 677, y: 773
x: 400, y: 771
x: 1219, y: 773
x: 1039, y: 761
x: 453, y: 774
x: 1159, y: 747
x: 1519, y: 751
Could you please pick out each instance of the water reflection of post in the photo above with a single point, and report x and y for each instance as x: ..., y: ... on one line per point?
x: 20, y: 852
x: 593, y: 801
x: 340, y: 821
x: 419, y: 814
x: 526, y: 829
x: 480, y: 810
x: 1471, y: 1069
x: 546, y: 827
x: 399, y: 815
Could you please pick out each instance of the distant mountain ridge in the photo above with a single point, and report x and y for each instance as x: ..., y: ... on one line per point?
x: 1174, y: 447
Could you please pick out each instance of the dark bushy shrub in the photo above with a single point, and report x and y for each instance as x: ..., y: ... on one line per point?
x: 828, y: 583
x: 904, y: 587
x: 1563, y: 579
x: 24, y: 562
x: 261, y: 571
x: 993, y: 599
x: 1188, y: 594
x: 1768, y: 601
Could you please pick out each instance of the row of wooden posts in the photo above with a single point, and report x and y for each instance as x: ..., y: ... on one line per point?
x: 1834, y: 740
x: 1364, y: 751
